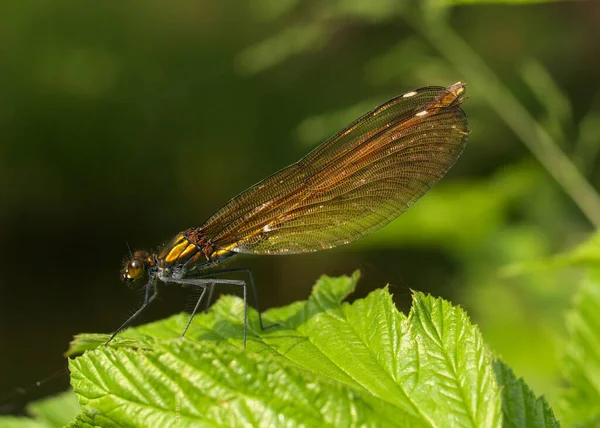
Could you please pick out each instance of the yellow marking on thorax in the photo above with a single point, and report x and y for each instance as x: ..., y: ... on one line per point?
x: 180, y: 247
x: 189, y: 250
x: 169, y: 247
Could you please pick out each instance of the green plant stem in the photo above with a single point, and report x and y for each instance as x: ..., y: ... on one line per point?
x: 531, y: 132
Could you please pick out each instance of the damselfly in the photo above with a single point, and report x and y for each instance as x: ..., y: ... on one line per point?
x: 353, y: 184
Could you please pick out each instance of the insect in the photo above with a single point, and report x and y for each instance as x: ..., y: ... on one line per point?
x: 353, y: 184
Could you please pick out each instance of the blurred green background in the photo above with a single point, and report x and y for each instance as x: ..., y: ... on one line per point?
x: 130, y: 121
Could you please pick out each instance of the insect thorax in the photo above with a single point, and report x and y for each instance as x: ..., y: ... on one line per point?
x: 181, y: 256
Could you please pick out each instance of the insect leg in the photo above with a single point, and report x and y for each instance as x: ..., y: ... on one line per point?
x: 151, y: 293
x: 204, y: 287
x: 205, y: 283
x: 252, y: 286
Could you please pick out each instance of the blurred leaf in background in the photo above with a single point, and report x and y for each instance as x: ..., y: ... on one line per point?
x: 56, y: 411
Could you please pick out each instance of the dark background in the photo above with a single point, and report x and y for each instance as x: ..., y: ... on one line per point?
x: 128, y: 122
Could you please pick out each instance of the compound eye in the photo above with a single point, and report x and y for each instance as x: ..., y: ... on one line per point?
x: 135, y: 269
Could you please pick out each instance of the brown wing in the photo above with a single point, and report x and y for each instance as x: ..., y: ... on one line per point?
x: 353, y: 184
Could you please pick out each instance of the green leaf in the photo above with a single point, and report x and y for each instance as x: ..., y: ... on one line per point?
x: 192, y: 383
x: 582, y: 356
x: 520, y: 406
x: 85, y: 420
x: 450, y: 364
x: 51, y: 412
x: 324, y: 363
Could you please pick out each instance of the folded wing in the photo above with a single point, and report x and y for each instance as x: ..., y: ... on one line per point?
x: 353, y: 184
